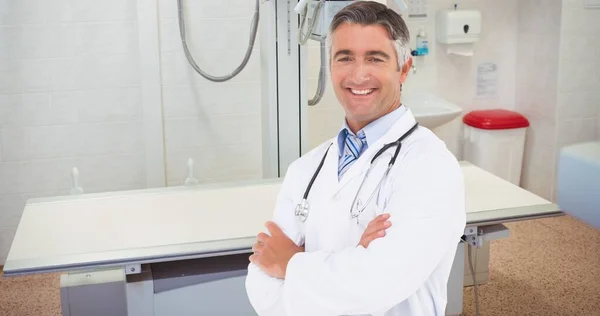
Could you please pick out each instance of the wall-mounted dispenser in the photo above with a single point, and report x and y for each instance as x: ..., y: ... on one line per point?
x: 458, y: 29
x: 422, y: 48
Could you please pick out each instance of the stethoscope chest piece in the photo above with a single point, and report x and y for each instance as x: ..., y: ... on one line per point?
x: 302, y: 210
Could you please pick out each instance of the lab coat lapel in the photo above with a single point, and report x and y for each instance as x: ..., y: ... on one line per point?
x: 359, y: 168
x: 329, y: 173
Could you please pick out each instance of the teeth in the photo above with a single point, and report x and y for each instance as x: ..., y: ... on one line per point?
x: 361, y: 92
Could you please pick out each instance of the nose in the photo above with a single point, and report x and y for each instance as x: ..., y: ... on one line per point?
x: 360, y: 73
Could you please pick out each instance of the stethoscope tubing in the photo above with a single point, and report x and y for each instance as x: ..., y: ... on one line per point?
x: 397, y: 143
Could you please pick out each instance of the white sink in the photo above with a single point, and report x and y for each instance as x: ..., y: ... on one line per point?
x: 429, y: 110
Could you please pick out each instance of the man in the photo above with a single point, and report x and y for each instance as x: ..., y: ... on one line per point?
x: 389, y: 255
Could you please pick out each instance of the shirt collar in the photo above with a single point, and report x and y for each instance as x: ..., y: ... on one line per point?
x: 374, y: 130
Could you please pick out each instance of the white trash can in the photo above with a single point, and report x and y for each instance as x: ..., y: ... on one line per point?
x: 494, y: 140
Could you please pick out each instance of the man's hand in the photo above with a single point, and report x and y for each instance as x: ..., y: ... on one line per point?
x: 272, y: 253
x: 375, y: 229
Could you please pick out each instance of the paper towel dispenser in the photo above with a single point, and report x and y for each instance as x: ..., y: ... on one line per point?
x: 457, y: 26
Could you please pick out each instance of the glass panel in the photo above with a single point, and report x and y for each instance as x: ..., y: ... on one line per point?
x: 215, y: 124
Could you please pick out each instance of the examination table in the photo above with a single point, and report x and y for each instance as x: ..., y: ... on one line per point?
x: 184, y: 250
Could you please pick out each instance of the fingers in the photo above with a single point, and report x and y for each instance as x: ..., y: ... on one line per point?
x: 257, y: 248
x: 262, y: 237
x: 378, y: 223
x: 382, y: 217
x: 273, y: 228
x: 375, y: 229
x: 365, y: 241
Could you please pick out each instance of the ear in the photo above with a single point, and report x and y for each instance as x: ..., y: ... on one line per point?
x: 405, y: 70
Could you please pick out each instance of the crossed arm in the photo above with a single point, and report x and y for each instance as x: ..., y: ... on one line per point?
x: 272, y: 255
x: 273, y: 252
x: 284, y: 280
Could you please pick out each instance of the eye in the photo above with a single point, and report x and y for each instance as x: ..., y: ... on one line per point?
x: 344, y: 59
x: 377, y: 60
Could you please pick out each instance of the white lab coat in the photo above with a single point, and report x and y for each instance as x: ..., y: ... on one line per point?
x: 404, y: 273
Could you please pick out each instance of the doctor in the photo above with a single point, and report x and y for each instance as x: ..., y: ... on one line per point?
x: 344, y: 242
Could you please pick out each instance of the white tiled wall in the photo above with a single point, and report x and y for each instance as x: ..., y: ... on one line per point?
x: 556, y: 86
x: 450, y: 76
x: 579, y: 85
x: 578, y: 118
x: 69, y: 97
x: 536, y: 85
x: 218, y: 125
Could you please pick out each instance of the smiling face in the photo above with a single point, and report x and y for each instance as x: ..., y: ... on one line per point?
x: 365, y: 73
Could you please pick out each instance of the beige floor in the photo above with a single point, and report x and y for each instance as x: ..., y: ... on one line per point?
x: 547, y: 267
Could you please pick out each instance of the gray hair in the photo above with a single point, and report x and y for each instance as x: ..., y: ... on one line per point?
x: 374, y: 13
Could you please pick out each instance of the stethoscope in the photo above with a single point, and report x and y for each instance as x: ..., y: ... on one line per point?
x: 303, y: 208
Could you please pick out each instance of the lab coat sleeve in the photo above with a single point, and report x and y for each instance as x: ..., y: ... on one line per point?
x: 428, y: 218
x: 264, y: 292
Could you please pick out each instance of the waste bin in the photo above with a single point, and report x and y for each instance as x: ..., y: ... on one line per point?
x: 494, y: 140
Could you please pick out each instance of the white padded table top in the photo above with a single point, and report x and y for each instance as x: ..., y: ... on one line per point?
x: 491, y: 199
x: 139, y: 225
x: 77, y: 232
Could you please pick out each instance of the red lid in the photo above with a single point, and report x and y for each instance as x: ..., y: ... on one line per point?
x: 495, y: 119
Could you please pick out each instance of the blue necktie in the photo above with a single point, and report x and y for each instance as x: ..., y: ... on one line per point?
x: 353, y: 147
